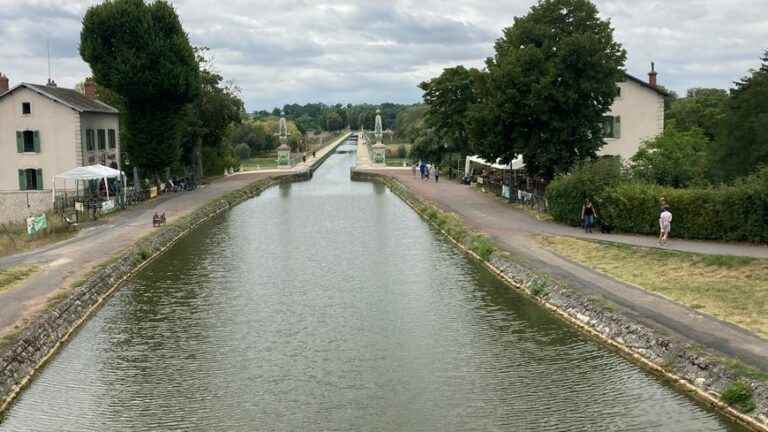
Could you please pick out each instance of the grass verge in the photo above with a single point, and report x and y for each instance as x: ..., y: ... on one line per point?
x: 13, y: 275
x: 733, y: 289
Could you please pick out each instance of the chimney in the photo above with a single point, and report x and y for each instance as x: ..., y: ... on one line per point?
x: 652, y: 75
x: 89, y: 88
x: 3, y: 83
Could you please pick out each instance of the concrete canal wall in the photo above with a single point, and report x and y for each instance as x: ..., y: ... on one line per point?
x: 42, y: 338
x: 690, y: 368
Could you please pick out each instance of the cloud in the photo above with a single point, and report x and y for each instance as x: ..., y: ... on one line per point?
x: 379, y: 50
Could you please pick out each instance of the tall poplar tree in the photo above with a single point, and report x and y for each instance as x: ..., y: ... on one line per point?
x: 140, y: 52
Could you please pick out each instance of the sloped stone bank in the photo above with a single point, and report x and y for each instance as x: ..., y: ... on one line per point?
x: 45, y: 335
x: 703, y: 375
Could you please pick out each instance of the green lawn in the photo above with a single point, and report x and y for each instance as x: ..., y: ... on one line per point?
x: 260, y: 161
x: 733, y: 289
x: 398, y: 162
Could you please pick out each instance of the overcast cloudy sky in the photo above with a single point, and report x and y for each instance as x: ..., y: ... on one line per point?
x: 301, y: 51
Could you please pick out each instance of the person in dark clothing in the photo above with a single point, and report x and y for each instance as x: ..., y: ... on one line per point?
x: 437, y: 174
x: 588, y: 215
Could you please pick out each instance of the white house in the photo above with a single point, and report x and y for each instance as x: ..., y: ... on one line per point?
x: 46, y: 130
x: 637, y: 115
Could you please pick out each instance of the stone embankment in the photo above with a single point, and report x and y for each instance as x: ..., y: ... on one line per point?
x: 704, y: 375
x: 20, y: 359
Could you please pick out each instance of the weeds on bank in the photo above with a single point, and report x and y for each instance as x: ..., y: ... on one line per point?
x: 10, y: 276
x: 739, y: 395
x: 482, y: 246
x: 733, y: 289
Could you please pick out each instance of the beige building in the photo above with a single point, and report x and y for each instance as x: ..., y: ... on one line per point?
x: 636, y: 115
x: 46, y: 130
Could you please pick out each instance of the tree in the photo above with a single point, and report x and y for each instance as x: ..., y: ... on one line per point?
x: 549, y: 84
x: 207, y: 120
x: 675, y: 158
x: 742, y: 146
x: 334, y: 121
x: 449, y: 97
x: 141, y: 52
x: 243, y: 151
x: 702, y: 108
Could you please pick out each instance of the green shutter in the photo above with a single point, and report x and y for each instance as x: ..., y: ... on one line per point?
x: 36, y: 141
x: 617, y: 127
x: 39, y: 179
x: 19, y: 142
x: 22, y: 180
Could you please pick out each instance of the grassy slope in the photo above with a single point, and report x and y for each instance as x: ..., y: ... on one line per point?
x: 734, y: 289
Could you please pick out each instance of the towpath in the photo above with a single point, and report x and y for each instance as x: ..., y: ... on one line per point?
x: 66, y: 262
x: 513, y: 229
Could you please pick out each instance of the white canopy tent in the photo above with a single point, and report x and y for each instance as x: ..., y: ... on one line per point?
x: 516, y: 164
x: 91, y: 172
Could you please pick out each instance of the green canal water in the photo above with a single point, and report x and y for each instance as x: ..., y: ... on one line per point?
x: 329, y: 305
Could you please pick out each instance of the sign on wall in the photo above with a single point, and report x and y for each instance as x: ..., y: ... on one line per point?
x: 35, y: 224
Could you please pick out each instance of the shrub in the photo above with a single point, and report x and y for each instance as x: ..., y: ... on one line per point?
x: 402, y: 151
x: 566, y: 194
x: 736, y: 212
x: 739, y: 395
x: 483, y: 247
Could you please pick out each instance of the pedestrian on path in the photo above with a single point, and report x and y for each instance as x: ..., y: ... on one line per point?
x: 588, y: 215
x: 422, y: 170
x: 665, y: 225
x: 427, y: 173
x: 437, y: 174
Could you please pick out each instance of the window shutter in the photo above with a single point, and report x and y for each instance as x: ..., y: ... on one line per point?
x: 19, y: 142
x: 22, y: 180
x: 617, y: 127
x: 39, y: 179
x: 36, y: 141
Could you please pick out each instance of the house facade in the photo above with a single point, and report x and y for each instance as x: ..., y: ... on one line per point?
x: 637, y: 115
x: 46, y: 130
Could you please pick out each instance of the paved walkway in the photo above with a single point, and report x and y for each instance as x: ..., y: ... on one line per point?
x: 512, y: 228
x: 68, y: 261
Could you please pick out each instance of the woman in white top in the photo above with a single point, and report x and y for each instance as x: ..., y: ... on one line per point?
x: 665, y: 224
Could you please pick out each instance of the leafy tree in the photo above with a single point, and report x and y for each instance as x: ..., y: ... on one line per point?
x: 243, y: 151
x: 141, y: 52
x: 675, y: 158
x: 334, y: 121
x: 449, y: 97
x: 702, y: 108
x: 409, y: 121
x: 742, y: 146
x: 207, y: 120
x: 552, y: 79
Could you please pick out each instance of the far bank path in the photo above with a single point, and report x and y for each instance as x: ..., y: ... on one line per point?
x: 513, y: 230
x: 68, y: 261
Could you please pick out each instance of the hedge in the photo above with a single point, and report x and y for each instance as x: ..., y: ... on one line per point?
x: 737, y: 212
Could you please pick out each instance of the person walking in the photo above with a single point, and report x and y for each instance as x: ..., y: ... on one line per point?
x: 588, y: 215
x: 422, y: 170
x: 437, y: 174
x: 427, y: 172
x: 665, y: 225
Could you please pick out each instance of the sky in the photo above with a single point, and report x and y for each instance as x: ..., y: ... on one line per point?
x: 300, y: 51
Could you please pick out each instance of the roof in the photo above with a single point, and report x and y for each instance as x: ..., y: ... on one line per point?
x: 71, y: 98
x: 645, y: 84
x: 91, y: 172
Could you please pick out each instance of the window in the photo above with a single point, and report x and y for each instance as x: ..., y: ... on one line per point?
x: 611, y: 127
x: 30, y: 179
x: 28, y: 141
x: 91, y: 160
x: 112, y: 139
x: 102, y: 135
x: 26, y: 108
x: 90, y: 144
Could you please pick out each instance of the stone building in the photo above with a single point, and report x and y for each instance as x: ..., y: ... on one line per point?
x: 46, y: 130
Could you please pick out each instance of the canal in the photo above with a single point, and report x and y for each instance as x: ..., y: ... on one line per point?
x: 330, y: 305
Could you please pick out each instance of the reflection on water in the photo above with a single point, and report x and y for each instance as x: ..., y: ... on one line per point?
x: 329, y: 305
